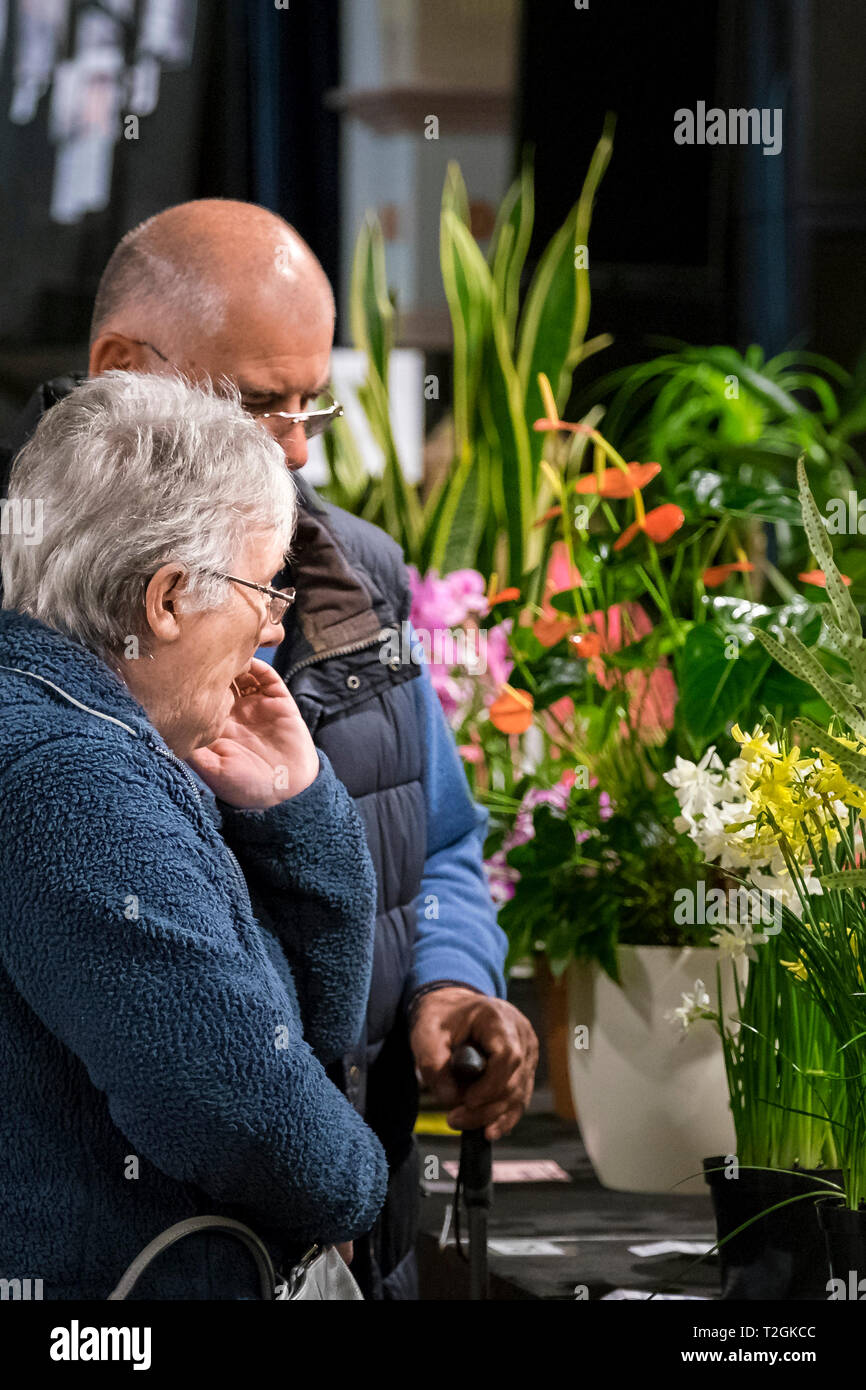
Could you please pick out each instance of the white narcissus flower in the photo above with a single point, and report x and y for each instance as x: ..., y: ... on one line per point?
x: 738, y: 939
x: 693, y: 1007
x: 698, y: 785
x: 780, y: 884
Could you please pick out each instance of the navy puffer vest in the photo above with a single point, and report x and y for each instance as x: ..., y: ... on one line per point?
x: 352, y: 588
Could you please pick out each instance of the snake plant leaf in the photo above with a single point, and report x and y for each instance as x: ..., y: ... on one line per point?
x: 371, y: 312
x: 509, y: 245
x: 467, y: 505
x: 468, y: 289
x: 503, y: 421
x: 372, y: 323
x: 454, y: 196
x: 798, y: 661
x: 843, y: 605
x: 556, y: 312
x: 852, y: 763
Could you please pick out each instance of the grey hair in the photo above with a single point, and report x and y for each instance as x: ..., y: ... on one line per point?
x: 133, y: 472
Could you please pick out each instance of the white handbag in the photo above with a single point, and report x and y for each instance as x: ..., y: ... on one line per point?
x: 321, y: 1273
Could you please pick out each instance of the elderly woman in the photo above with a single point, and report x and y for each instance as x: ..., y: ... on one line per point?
x: 176, y: 969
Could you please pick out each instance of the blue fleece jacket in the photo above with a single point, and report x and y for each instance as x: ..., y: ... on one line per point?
x: 163, y: 1050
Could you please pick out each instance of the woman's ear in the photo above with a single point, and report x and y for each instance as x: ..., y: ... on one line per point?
x: 161, y: 602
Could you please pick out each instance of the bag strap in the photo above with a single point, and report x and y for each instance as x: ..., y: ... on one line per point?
x: 254, y: 1244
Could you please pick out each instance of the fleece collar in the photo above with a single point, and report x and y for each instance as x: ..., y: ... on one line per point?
x: 27, y: 645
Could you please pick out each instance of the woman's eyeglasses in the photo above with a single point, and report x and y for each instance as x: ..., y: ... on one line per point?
x: 281, y: 600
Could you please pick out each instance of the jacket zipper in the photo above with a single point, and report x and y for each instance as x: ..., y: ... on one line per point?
x: 337, y: 651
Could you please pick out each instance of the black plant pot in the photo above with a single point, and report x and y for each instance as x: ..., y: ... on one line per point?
x: 778, y: 1256
x: 845, y: 1236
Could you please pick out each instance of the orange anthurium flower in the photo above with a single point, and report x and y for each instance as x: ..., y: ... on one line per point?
x: 615, y: 483
x: 552, y: 627
x: 587, y: 644
x: 554, y: 511
x: 717, y: 574
x: 545, y: 424
x: 511, y: 712
x: 659, y: 524
x: 819, y: 578
x: 504, y: 596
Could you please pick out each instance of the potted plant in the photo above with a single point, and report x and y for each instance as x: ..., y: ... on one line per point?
x: 610, y: 659
x: 802, y: 809
x: 820, y: 832
x: 776, y: 1042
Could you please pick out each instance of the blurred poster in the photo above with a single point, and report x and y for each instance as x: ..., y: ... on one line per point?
x: 100, y: 62
x: 40, y: 33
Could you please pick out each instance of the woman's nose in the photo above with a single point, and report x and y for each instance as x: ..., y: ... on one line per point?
x: 271, y: 634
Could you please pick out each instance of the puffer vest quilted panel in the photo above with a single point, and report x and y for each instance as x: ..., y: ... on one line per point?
x: 352, y: 586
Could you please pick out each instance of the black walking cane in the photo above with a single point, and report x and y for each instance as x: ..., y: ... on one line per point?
x: 474, y: 1178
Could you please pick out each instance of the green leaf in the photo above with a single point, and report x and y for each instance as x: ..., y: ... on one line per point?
x: 470, y: 492
x: 454, y: 195
x: 558, y: 677
x: 372, y: 321
x: 714, y: 687
x: 843, y: 605
x: 852, y: 763
x: 800, y: 662
x: 847, y: 878
x: 371, y: 311
x: 503, y: 424
x: 468, y: 289
x: 510, y: 243
x: 556, y: 312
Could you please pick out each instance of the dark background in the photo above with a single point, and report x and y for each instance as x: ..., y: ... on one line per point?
x: 705, y: 244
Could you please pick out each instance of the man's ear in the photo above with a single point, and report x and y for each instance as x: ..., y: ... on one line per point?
x: 161, y: 602
x: 112, y: 352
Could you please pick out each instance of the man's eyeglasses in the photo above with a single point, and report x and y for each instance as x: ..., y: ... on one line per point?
x: 314, y: 421
x: 281, y: 600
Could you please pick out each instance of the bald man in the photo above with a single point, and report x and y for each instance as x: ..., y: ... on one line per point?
x: 226, y: 291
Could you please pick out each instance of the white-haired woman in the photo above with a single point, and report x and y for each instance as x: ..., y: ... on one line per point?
x: 175, y: 970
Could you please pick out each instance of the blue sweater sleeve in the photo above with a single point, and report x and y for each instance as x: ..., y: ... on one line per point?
x: 129, y: 936
x: 307, y: 862
x: 457, y: 933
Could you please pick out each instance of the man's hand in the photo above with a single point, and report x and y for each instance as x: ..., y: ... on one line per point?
x: 450, y: 1016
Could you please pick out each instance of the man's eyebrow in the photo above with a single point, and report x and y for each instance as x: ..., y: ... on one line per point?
x: 256, y: 390
x: 268, y: 392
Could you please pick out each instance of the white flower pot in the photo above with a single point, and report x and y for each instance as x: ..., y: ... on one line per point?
x: 651, y: 1102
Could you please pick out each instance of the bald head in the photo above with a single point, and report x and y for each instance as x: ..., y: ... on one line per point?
x: 187, y: 270
x: 221, y: 291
